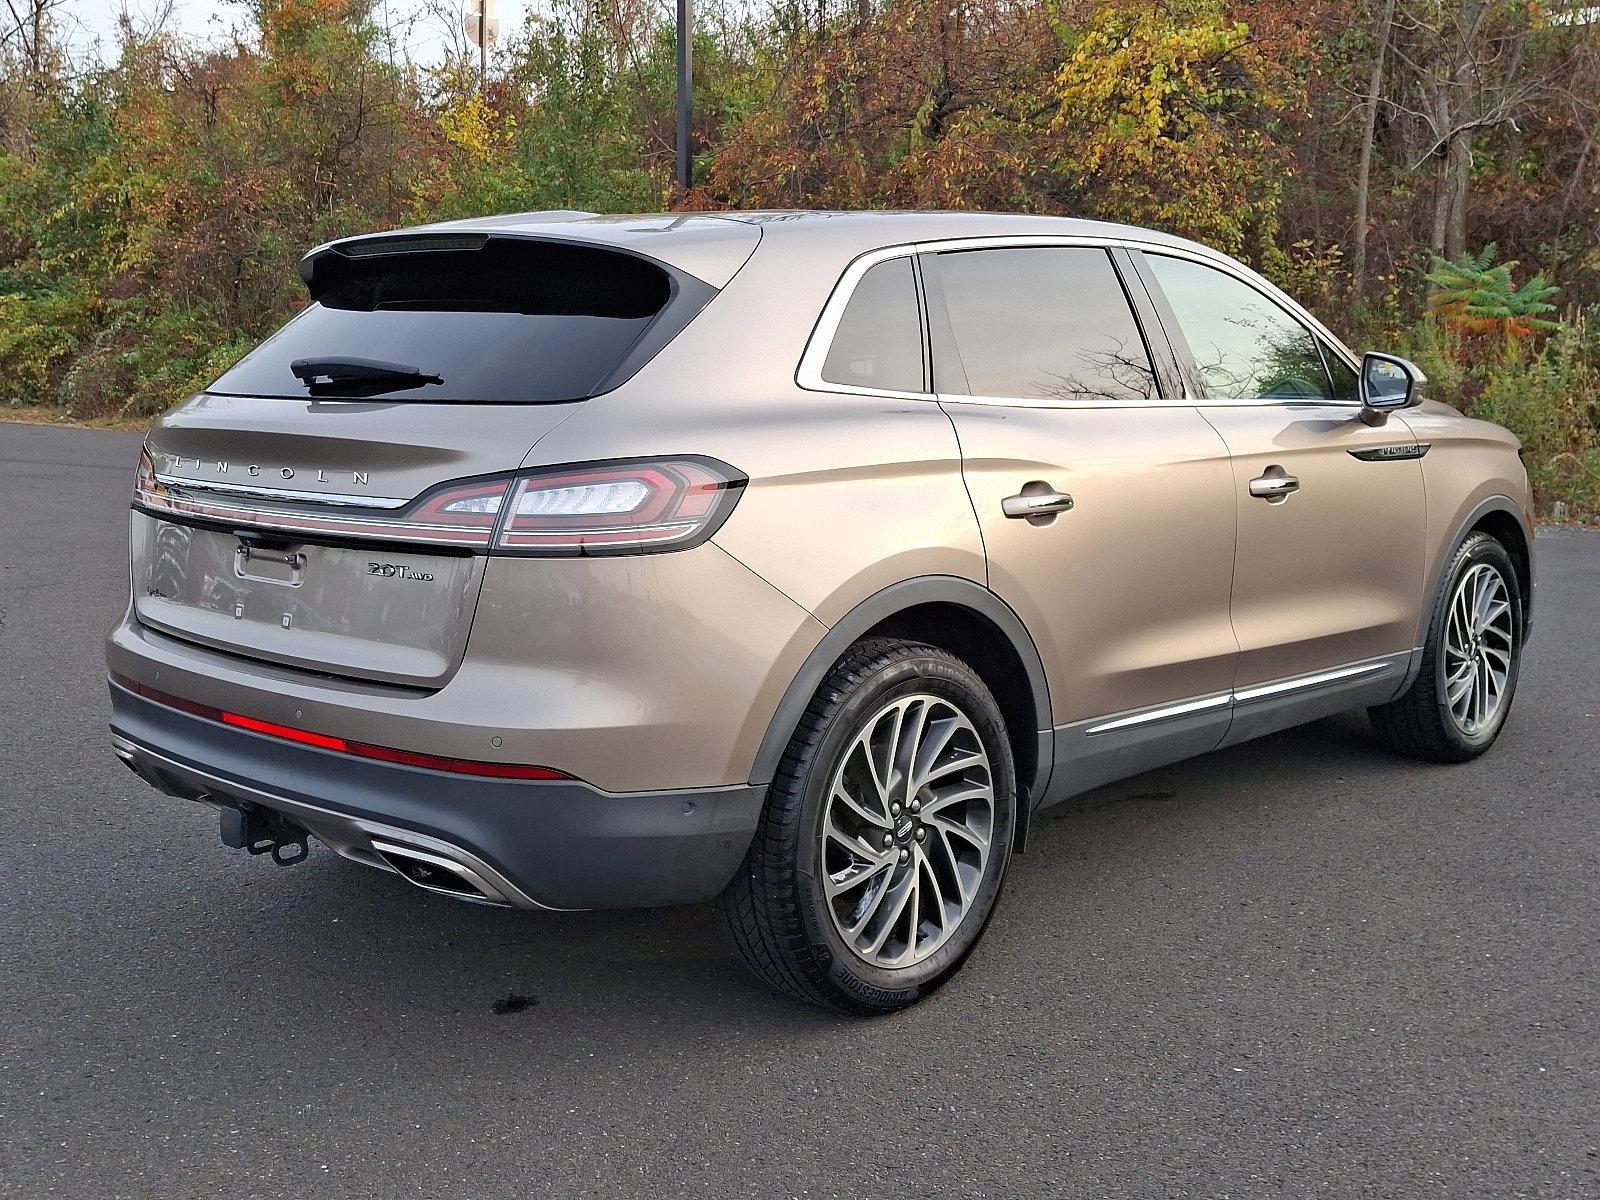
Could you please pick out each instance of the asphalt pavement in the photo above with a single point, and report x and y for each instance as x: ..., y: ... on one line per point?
x: 1300, y: 967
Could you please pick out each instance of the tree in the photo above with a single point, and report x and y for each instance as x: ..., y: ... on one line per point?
x: 1467, y: 61
x: 1369, y: 124
x: 30, y: 32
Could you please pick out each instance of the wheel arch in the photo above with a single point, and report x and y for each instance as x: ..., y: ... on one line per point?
x: 1502, y: 519
x: 964, y: 618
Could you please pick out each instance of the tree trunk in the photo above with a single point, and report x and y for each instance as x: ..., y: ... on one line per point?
x: 1369, y: 126
x: 1443, y: 115
x: 1458, y: 172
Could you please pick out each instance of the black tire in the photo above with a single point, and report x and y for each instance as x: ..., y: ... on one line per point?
x: 775, y: 909
x: 1421, y: 724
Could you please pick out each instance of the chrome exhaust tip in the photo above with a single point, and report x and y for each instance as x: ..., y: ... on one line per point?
x: 433, y: 872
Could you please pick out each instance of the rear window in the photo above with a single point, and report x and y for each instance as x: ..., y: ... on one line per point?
x: 879, y: 340
x: 504, y: 320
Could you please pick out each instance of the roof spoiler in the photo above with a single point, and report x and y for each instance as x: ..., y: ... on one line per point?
x: 430, y: 239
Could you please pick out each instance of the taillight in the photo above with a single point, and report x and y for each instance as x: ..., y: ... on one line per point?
x: 619, y: 508
x: 632, y: 507
x: 145, y: 485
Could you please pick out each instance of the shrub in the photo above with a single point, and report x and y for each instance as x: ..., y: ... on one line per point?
x: 1552, y: 402
x: 39, y: 335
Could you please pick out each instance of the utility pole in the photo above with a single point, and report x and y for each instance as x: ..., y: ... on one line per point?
x: 685, y: 94
x: 482, y: 28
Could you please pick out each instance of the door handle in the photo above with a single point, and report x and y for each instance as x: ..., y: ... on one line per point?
x: 1274, y: 485
x: 1029, y: 505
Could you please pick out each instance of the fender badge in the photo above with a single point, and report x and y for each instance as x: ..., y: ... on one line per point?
x: 1390, y: 453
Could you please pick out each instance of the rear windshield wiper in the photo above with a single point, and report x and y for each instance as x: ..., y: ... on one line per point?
x: 358, y: 374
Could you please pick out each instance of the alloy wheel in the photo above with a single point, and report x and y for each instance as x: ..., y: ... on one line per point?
x: 906, y: 831
x: 1479, y: 642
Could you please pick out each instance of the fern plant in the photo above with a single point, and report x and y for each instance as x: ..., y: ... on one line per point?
x: 1474, y: 295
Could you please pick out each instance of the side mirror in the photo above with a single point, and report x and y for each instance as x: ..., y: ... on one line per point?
x: 1387, y: 384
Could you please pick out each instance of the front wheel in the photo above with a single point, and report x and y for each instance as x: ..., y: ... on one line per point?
x: 1455, y: 708
x: 886, y: 835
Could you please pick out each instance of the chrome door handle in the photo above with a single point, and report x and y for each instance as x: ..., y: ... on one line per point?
x: 1274, y: 485
x: 1028, y: 505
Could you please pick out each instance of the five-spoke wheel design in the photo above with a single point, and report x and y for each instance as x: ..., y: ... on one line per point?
x: 1479, y: 643
x: 906, y: 831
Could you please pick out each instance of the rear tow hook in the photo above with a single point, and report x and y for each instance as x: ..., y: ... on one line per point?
x: 262, y: 831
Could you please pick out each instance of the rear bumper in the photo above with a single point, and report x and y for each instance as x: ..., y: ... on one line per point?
x: 528, y: 844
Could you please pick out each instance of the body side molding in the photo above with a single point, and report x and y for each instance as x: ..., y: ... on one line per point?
x: 1116, y: 746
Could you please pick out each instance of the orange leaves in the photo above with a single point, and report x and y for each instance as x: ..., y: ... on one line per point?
x: 1151, y: 113
x: 926, y: 103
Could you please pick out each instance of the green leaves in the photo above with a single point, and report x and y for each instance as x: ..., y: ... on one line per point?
x: 1475, y: 295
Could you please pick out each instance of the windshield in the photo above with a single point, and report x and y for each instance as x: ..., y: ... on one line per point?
x: 509, y: 321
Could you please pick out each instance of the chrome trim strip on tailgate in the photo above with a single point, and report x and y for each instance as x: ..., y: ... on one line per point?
x: 160, y: 504
x: 266, y: 493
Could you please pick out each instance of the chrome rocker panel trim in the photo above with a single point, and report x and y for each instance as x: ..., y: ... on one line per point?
x: 1117, y: 746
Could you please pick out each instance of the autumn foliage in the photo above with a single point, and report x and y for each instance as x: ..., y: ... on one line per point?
x: 154, y: 200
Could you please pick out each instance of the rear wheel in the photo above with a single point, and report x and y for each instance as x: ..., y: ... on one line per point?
x: 1455, y: 708
x: 886, y: 835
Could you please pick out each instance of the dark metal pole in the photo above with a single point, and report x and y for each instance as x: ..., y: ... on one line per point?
x: 685, y: 94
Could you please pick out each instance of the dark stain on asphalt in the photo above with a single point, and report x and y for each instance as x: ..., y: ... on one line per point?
x: 514, y: 1003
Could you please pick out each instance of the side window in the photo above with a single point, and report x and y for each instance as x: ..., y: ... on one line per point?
x: 879, y: 340
x: 1044, y: 323
x: 1245, y: 346
x: 1346, y: 383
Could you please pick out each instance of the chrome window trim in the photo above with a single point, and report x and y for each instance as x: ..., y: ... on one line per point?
x: 808, y: 376
x: 266, y: 493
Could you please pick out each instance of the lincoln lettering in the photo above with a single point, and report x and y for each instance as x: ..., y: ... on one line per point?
x: 178, y: 462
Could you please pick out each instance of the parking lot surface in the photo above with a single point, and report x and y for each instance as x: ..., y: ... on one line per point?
x: 1300, y: 967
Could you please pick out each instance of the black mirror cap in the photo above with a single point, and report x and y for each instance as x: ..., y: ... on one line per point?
x: 1380, y: 375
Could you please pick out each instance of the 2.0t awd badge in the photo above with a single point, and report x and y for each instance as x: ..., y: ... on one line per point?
x: 398, y: 571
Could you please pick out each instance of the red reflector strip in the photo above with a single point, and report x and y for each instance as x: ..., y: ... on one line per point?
x: 460, y: 766
x: 323, y: 741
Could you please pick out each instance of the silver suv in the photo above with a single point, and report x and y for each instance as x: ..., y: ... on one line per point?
x: 796, y: 559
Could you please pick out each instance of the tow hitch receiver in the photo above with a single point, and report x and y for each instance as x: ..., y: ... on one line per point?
x: 262, y: 831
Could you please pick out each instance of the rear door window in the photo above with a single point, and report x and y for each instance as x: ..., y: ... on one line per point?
x: 879, y: 340
x: 1044, y: 323
x: 1244, y: 346
x: 506, y: 320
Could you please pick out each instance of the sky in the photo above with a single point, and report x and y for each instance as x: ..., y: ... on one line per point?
x: 418, y: 32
